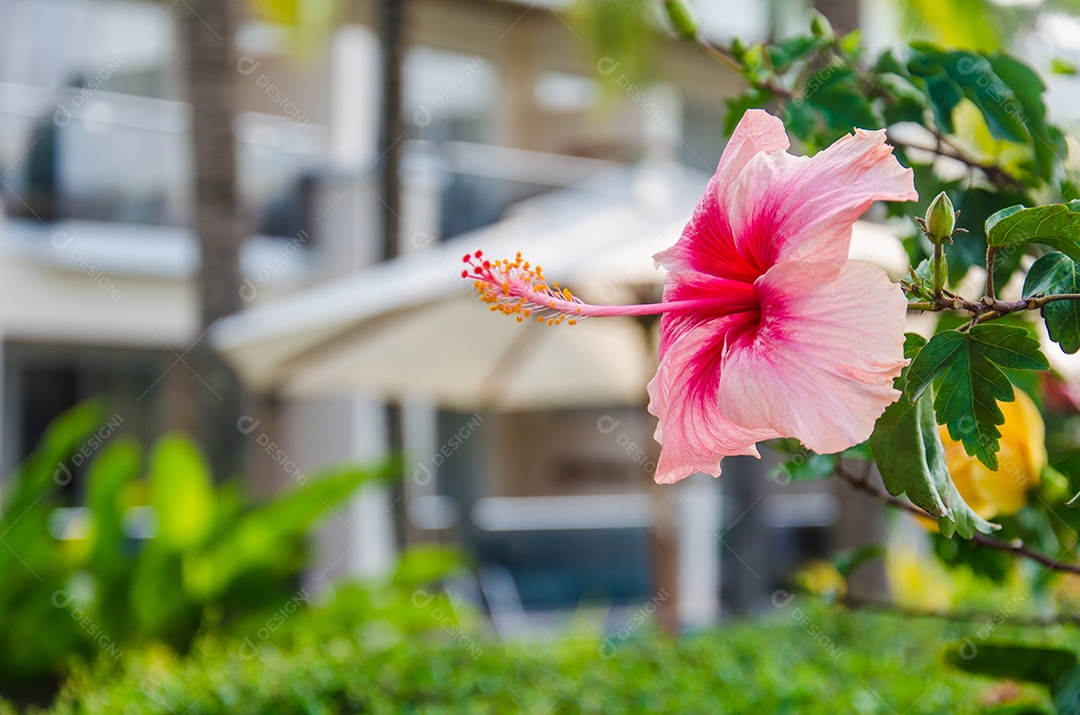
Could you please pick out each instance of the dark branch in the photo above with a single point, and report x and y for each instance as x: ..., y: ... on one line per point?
x: 1015, y: 547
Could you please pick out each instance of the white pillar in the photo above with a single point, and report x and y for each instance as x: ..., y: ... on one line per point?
x: 699, y: 502
x: 355, y: 118
x: 371, y: 510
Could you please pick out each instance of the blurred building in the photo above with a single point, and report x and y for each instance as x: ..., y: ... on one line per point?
x: 502, y: 103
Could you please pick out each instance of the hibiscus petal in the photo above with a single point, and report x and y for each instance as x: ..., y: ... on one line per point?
x: 784, y: 207
x: 693, y: 434
x: 707, y: 244
x: 821, y: 364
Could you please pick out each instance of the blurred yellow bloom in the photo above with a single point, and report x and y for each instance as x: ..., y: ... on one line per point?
x: 821, y: 578
x: 918, y: 581
x: 1021, y: 459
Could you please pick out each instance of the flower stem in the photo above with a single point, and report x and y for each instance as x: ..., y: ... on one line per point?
x: 991, y: 256
x: 939, y: 280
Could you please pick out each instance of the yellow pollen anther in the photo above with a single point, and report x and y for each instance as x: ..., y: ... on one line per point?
x: 515, y: 287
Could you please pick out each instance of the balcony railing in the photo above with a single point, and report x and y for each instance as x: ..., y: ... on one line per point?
x: 78, y: 154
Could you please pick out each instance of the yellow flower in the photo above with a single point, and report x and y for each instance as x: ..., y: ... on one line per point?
x: 821, y: 578
x: 918, y: 580
x: 1021, y: 459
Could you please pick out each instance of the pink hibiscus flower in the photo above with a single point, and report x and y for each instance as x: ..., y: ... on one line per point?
x: 768, y: 330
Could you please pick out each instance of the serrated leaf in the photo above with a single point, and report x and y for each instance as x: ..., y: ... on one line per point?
x: 1055, y: 274
x: 907, y: 447
x: 1054, y: 225
x: 911, y: 458
x: 962, y: 519
x: 970, y: 363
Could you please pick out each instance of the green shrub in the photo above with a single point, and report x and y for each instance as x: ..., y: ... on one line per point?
x: 211, y: 554
x: 825, y: 661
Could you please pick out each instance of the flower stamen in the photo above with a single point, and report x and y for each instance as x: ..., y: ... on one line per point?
x: 517, y: 288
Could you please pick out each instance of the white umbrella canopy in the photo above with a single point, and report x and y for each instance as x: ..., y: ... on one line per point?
x: 413, y: 327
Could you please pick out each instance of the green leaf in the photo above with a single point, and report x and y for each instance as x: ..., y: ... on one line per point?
x: 794, y: 49
x: 109, y: 558
x: 951, y: 76
x: 267, y: 538
x: 835, y: 92
x: 1057, y: 669
x: 1046, y: 666
x: 921, y: 286
x: 1047, y: 141
x: 911, y: 457
x: 1066, y: 693
x: 1054, y: 225
x: 976, y: 206
x: 970, y: 363
x: 908, y: 103
x: 181, y: 493
x: 1063, y: 65
x: 737, y: 106
x: 847, y: 562
x: 1054, y: 274
x: 805, y: 467
x: 800, y: 119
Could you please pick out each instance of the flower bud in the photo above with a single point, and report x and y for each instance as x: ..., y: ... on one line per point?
x: 681, y: 18
x: 940, y: 219
x: 820, y: 26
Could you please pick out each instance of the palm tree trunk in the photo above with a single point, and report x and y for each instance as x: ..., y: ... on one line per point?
x: 392, y: 36
x: 207, y: 29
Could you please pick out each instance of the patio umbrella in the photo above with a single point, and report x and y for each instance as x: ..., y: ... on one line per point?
x: 413, y: 327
